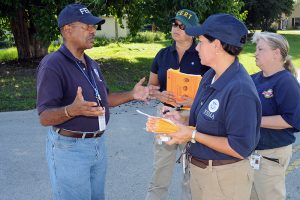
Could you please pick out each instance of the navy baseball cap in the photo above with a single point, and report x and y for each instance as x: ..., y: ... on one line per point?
x: 77, y: 13
x: 224, y: 27
x: 187, y: 17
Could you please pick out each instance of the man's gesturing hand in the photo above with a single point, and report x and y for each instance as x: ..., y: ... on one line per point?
x: 84, y: 108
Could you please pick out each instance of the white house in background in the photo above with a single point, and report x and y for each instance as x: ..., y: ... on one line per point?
x: 112, y: 29
x: 293, y: 21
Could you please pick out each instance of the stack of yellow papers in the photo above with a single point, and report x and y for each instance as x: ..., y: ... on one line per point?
x: 162, y: 125
x: 165, y: 126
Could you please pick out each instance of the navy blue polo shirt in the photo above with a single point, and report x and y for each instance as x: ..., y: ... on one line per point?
x: 167, y: 58
x: 57, y: 81
x: 279, y: 95
x: 230, y: 108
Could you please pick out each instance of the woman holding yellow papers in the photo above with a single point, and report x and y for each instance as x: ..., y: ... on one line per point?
x: 183, y: 56
x: 226, y: 113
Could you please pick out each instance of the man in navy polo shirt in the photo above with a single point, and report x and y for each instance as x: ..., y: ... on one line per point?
x: 226, y: 113
x: 73, y: 98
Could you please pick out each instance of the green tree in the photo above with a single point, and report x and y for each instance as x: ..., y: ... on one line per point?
x: 159, y: 13
x: 4, y: 28
x: 34, y: 23
x: 262, y: 13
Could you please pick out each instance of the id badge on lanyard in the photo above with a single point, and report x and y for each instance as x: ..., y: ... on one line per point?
x: 101, y: 119
x: 102, y: 123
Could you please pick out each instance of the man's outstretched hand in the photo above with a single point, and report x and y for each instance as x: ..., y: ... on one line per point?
x: 144, y: 93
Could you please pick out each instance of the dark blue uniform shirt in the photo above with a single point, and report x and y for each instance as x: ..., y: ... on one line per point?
x: 167, y: 58
x: 279, y: 95
x: 57, y: 81
x: 230, y: 108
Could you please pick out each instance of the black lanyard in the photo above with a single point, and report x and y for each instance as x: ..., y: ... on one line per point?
x: 93, y: 84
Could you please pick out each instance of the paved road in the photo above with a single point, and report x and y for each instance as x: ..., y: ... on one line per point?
x: 23, y: 169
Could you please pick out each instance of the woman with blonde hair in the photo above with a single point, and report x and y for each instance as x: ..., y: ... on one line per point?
x: 279, y: 93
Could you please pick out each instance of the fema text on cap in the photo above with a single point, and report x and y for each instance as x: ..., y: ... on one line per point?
x: 84, y: 10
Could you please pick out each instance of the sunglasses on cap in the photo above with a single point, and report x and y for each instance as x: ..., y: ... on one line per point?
x: 180, y: 26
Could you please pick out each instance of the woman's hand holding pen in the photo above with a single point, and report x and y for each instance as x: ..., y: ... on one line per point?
x: 173, y: 115
x: 82, y: 107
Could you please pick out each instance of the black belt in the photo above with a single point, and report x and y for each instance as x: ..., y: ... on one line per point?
x: 76, y: 134
x: 271, y: 159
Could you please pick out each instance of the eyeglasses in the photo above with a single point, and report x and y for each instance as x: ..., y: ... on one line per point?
x: 86, y: 27
x: 181, y: 26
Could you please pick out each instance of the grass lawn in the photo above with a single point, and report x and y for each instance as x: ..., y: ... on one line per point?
x: 122, y: 64
x: 125, y: 64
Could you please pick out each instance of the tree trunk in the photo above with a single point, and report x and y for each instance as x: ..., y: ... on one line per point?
x: 28, y: 45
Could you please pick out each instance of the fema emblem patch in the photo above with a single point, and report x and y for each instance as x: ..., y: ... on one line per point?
x: 213, y: 105
x: 268, y: 94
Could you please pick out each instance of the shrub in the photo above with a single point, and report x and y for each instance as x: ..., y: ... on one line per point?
x: 272, y: 29
x: 53, y: 47
x: 147, y: 37
x: 8, y: 54
x: 101, y: 41
x: 141, y: 37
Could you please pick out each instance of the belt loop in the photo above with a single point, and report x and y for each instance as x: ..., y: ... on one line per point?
x: 95, y: 134
x: 83, y: 135
x: 210, y: 165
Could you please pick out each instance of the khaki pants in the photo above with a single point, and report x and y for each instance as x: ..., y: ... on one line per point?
x: 163, y: 166
x: 226, y: 182
x: 164, y: 162
x: 269, y: 180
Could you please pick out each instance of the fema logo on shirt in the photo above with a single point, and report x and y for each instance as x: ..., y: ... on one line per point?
x: 213, y: 106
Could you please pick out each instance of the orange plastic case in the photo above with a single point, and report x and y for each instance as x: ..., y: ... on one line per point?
x: 181, y: 84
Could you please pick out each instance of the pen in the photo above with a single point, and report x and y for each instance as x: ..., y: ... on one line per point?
x: 99, y: 101
x: 177, y: 108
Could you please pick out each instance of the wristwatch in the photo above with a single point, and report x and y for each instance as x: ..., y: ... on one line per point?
x: 193, y: 136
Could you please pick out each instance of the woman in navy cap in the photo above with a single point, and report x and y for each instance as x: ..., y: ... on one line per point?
x: 183, y: 56
x: 279, y: 93
x: 226, y: 113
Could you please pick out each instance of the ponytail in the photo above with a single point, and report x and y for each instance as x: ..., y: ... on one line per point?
x: 288, y: 65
